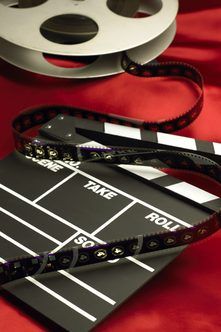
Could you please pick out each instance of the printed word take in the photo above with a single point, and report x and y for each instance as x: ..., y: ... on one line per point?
x: 99, y: 190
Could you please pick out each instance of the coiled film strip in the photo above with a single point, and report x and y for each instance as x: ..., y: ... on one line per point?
x: 147, y: 148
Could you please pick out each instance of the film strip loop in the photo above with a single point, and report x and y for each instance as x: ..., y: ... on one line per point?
x: 47, y: 262
x: 31, y: 118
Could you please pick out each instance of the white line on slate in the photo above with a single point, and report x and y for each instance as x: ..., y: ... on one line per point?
x: 58, y: 297
x: 89, y: 288
x: 62, y: 220
x: 26, y: 224
x: 66, y: 242
x: 63, y: 300
x: 66, y: 274
x: 108, y: 222
x: 54, y: 187
x: 181, y: 222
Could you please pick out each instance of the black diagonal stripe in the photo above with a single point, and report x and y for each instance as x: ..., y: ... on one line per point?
x: 203, y: 146
x: 214, y: 204
x: 148, y: 136
x: 166, y: 180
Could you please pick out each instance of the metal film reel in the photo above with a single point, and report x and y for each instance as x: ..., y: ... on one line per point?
x: 96, y: 30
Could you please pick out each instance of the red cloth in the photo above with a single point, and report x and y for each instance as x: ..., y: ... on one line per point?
x: 186, y: 296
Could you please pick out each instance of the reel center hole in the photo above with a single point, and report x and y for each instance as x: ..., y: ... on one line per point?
x: 69, y: 61
x: 135, y: 8
x: 69, y: 29
x: 22, y: 3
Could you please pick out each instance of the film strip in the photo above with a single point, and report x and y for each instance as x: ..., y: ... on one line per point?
x: 151, y: 146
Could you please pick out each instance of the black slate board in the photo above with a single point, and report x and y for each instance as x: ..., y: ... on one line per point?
x: 44, y: 205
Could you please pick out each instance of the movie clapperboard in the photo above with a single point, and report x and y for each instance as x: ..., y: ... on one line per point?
x: 47, y: 205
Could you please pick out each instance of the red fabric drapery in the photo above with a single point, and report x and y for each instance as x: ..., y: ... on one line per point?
x: 186, y: 296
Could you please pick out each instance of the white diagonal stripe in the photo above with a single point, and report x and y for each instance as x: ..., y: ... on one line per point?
x: 121, y: 192
x: 146, y: 172
x: 194, y: 193
x: 177, y: 141
x: 217, y: 148
x: 124, y: 131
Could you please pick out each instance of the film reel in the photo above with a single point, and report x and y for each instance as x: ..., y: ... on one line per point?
x: 97, y: 31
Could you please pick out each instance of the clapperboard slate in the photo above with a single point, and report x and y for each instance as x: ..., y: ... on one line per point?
x: 47, y: 205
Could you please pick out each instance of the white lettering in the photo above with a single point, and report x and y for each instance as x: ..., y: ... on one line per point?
x: 85, y: 243
x: 83, y: 240
x: 161, y: 221
x: 88, y: 244
x: 90, y: 183
x: 56, y: 168
x: 110, y: 195
x: 102, y: 191
x: 73, y: 163
x: 168, y: 224
x: 174, y: 228
x: 43, y: 162
x: 99, y: 190
x: 94, y: 188
x: 80, y: 240
x: 152, y: 216
x: 51, y: 165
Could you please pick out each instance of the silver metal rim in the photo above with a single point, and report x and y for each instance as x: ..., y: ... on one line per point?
x: 104, y: 65
x: 116, y: 33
